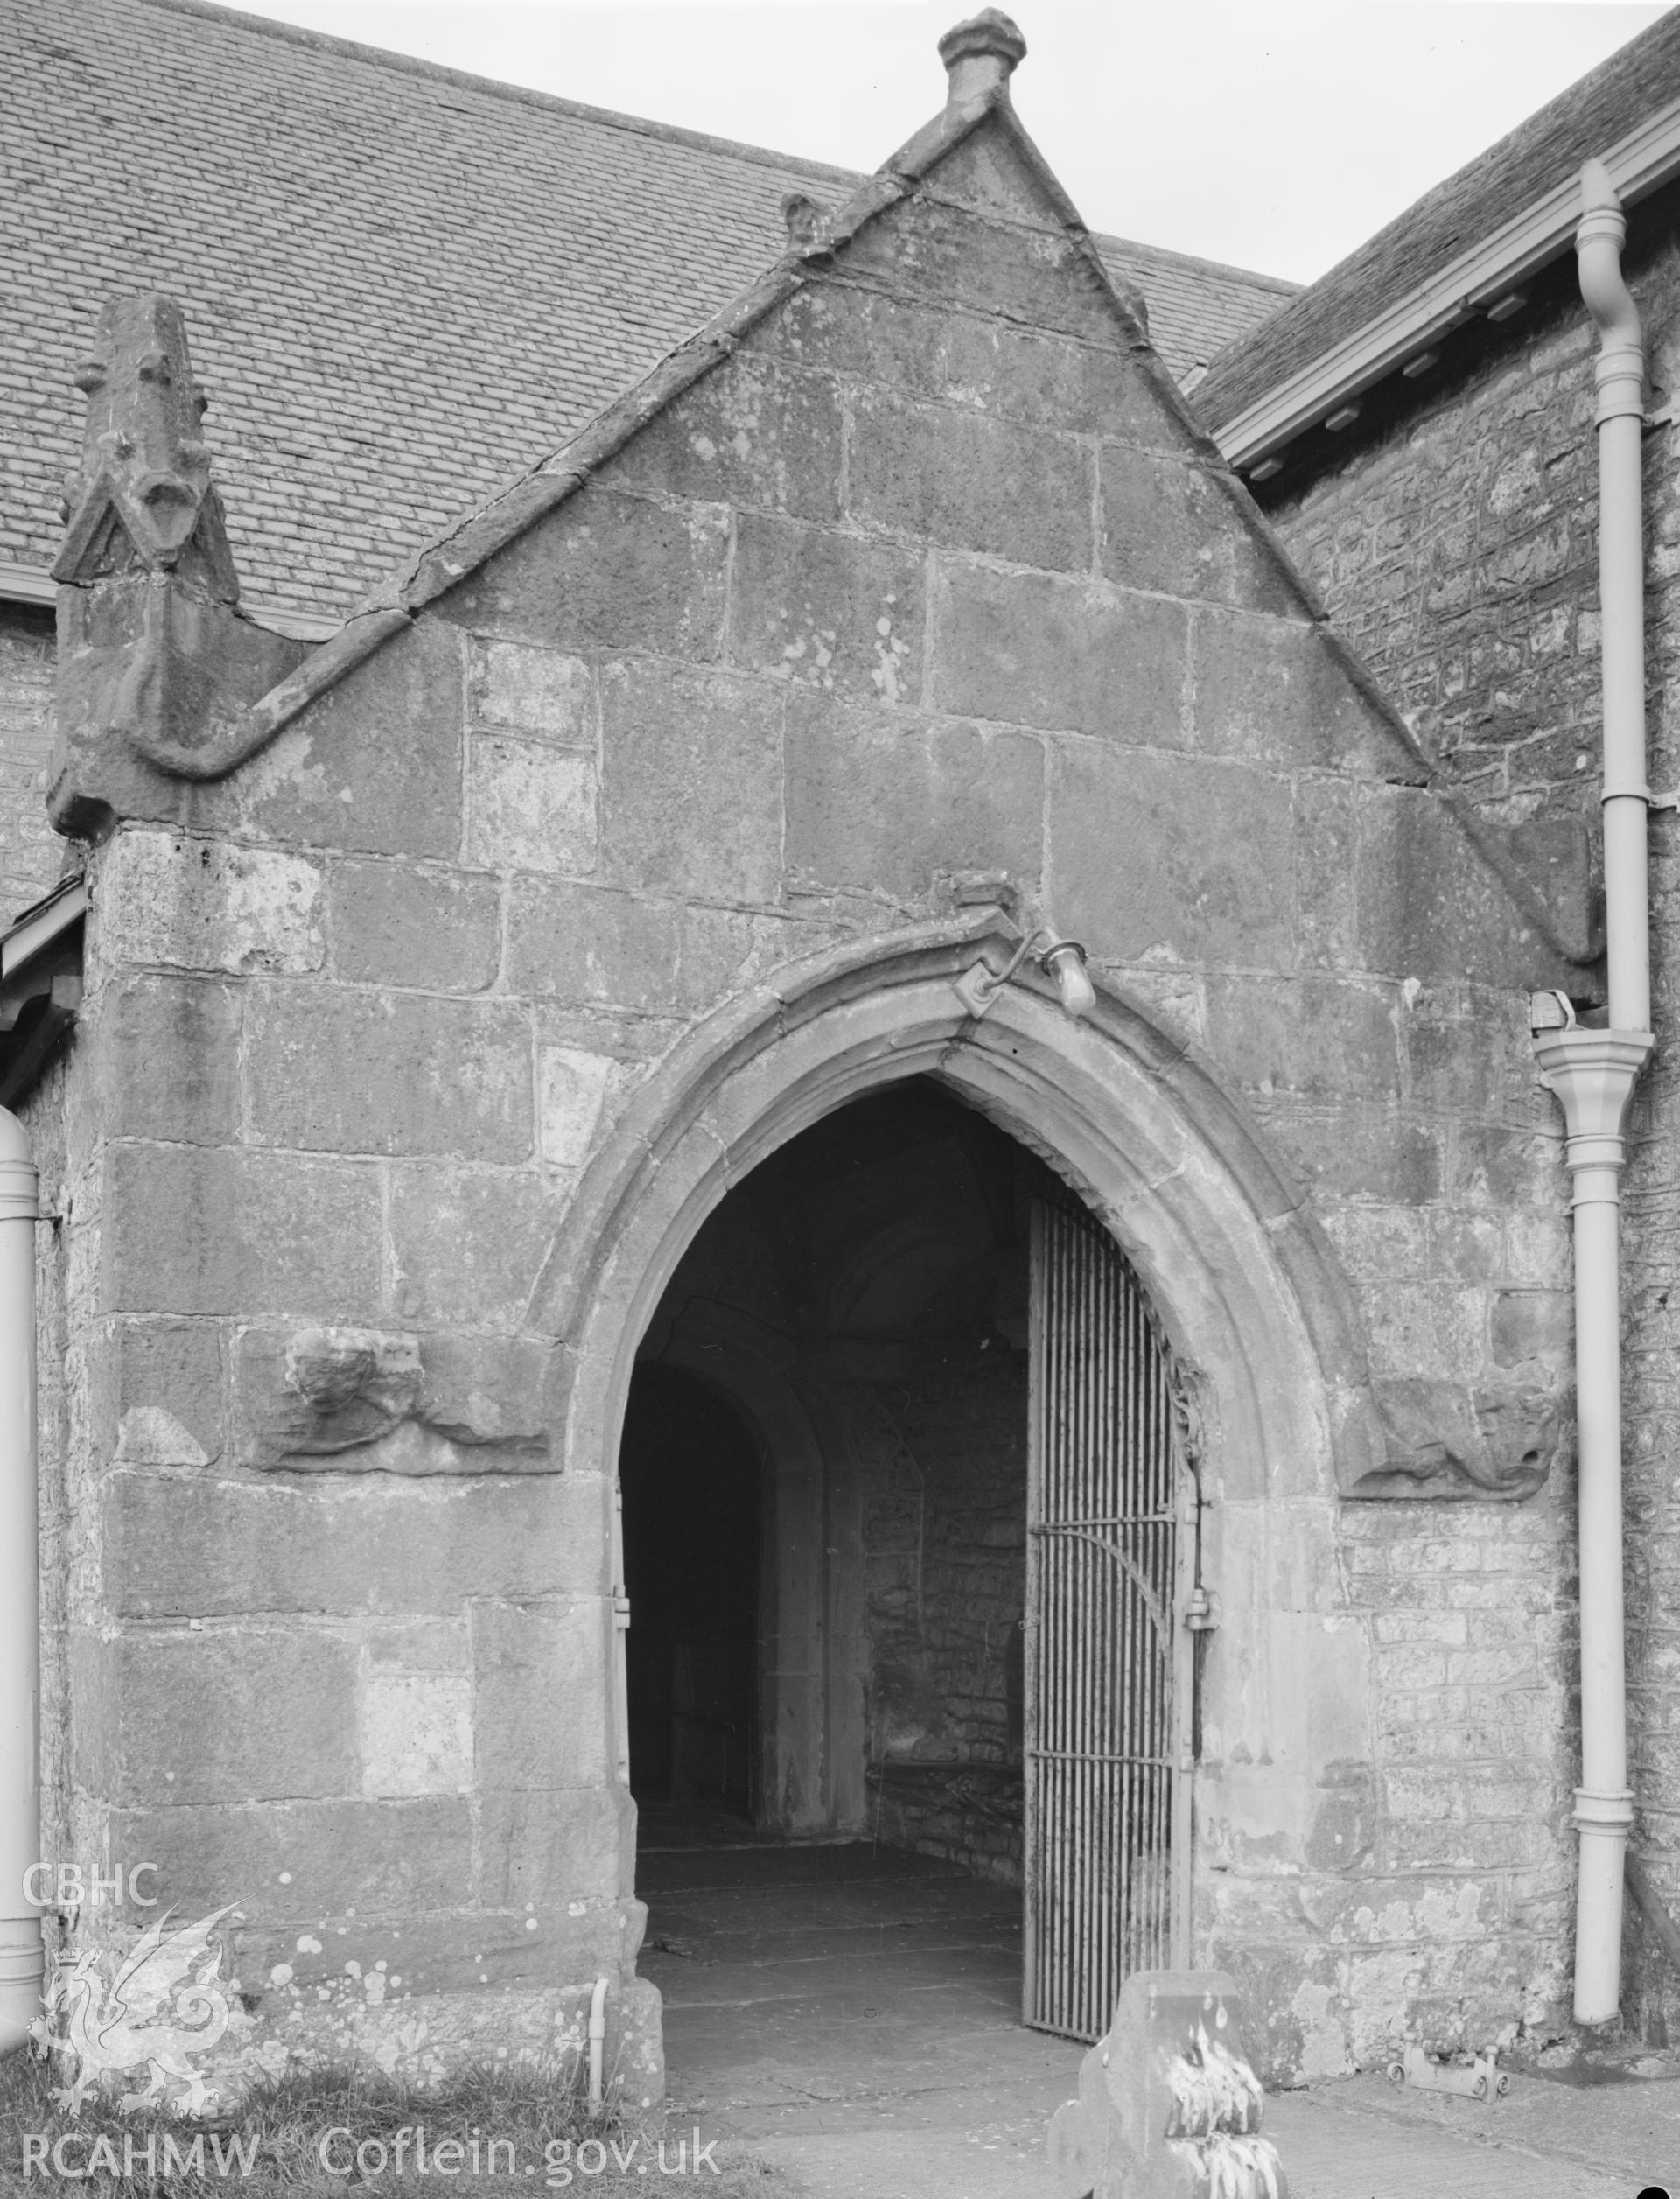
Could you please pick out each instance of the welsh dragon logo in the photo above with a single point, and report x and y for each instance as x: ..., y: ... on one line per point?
x: 162, y: 2007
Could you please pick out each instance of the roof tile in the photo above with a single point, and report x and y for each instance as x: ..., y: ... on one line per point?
x: 402, y: 285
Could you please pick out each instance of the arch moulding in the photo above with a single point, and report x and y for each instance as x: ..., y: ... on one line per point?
x: 1242, y: 1275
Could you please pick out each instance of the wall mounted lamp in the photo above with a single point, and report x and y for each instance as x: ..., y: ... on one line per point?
x: 1061, y: 959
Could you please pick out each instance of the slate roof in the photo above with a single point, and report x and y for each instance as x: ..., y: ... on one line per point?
x: 1499, y: 183
x: 403, y: 285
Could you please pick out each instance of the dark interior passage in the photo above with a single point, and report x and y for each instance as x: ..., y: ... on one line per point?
x: 689, y: 1471
x: 825, y: 1479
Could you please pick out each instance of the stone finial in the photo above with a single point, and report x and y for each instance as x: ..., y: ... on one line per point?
x: 808, y: 221
x: 143, y: 499
x: 980, y: 55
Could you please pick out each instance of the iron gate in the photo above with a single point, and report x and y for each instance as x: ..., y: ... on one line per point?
x: 1113, y: 1520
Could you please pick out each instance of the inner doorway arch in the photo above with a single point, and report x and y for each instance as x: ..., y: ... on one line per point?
x: 944, y: 1389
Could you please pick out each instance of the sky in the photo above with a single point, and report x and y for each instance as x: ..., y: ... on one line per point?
x: 1274, y: 136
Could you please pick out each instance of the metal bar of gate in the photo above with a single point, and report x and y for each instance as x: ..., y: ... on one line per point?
x: 1111, y: 1546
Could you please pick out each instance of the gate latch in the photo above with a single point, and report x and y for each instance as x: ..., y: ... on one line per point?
x: 1201, y: 1610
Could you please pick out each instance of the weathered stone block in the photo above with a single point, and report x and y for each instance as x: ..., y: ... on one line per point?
x: 590, y: 945
x: 414, y: 1732
x: 534, y: 690
x: 404, y: 924
x: 374, y: 766
x: 753, y: 432
x: 1380, y: 1243
x: 1172, y: 859
x: 1355, y: 1148
x: 573, y: 1090
x: 536, y: 1843
x: 291, y: 1863
x: 1169, y: 527
x: 1428, y: 905
x: 1327, y: 884
x: 1508, y: 1168
x: 1269, y: 689
x: 176, y: 1548
x: 543, y: 1702
x: 468, y: 1248
x: 159, y: 1391
x: 691, y: 781
x: 531, y: 807
x: 606, y: 572
x: 200, y: 1230
x: 992, y: 364
x: 1533, y: 1324
x: 931, y: 251
x: 389, y: 1073
x: 1309, y: 1034
x: 416, y: 1645
x: 858, y: 333
x: 880, y: 800
x: 986, y: 173
x: 1073, y: 656
x: 1469, y: 1248
x: 165, y: 1059
x: 969, y: 481
x: 241, y: 1713
x: 1454, y: 1072
x: 364, y: 1964
x: 204, y: 905
x: 1080, y: 387
x: 827, y: 610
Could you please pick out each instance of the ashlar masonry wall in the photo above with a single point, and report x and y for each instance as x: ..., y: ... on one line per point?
x: 931, y: 577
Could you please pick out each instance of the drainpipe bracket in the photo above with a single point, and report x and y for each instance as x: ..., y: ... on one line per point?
x: 1619, y: 376
x: 1608, y: 1816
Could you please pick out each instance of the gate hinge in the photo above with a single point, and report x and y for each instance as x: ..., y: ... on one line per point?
x: 1201, y: 1610
x: 621, y: 1610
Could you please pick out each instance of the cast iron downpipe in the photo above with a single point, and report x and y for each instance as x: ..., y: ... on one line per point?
x: 1593, y: 1073
x: 20, y: 1625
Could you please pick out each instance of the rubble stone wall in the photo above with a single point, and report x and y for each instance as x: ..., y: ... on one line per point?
x: 945, y: 1540
x: 30, y: 851
x: 1459, y: 550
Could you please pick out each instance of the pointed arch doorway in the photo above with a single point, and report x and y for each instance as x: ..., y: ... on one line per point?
x: 1256, y: 1308
x: 909, y: 1536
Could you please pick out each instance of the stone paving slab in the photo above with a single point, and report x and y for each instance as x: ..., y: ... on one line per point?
x: 882, y: 2056
x: 1628, y: 2133
x: 866, y: 1984
x: 856, y: 1943
x: 1333, y: 2146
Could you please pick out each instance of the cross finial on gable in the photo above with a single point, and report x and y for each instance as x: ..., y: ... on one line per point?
x: 142, y: 499
x: 980, y: 55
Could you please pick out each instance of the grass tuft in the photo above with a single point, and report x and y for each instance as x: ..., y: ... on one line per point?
x: 537, y: 2117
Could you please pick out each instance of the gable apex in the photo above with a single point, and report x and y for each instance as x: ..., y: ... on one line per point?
x: 1128, y: 523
